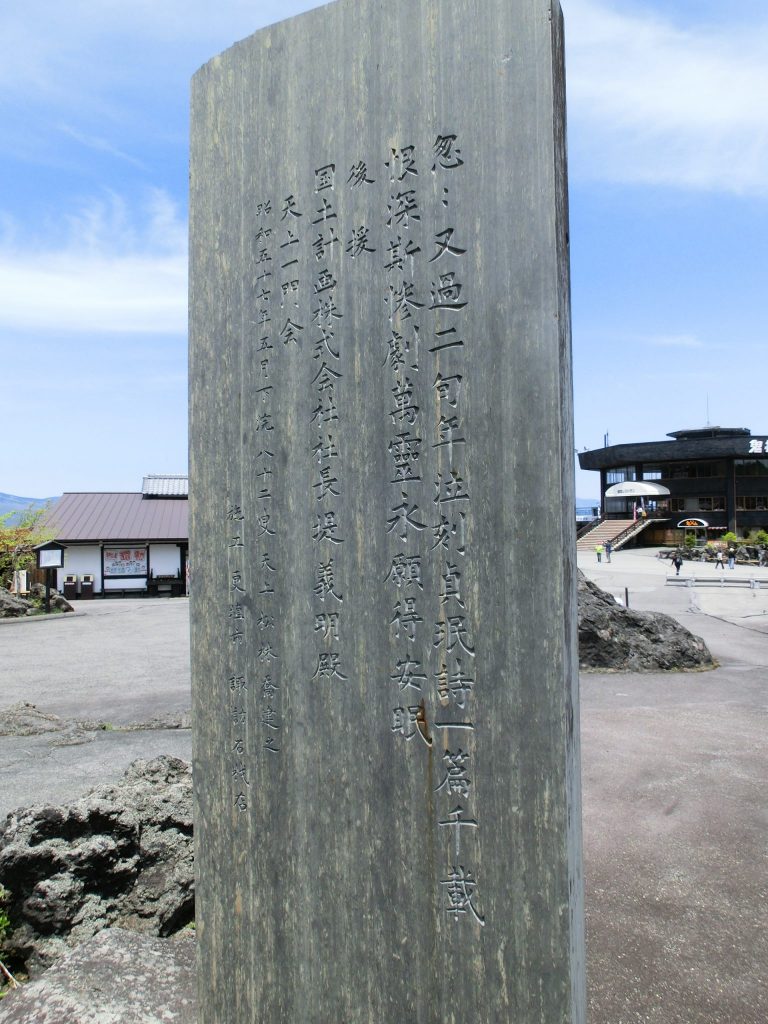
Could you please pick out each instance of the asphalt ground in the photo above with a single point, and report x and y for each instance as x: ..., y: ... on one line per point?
x: 674, y: 777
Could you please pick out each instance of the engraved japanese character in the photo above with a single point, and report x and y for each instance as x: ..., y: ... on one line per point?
x: 237, y: 684
x: 358, y: 175
x: 326, y: 449
x: 398, y: 252
x: 290, y: 332
x: 448, y: 429
x: 452, y: 488
x: 443, y: 244
x: 406, y: 674
x: 455, y: 687
x: 270, y: 718
x: 324, y: 177
x: 448, y: 388
x: 401, y: 162
x: 403, y: 208
x: 329, y: 666
x: 240, y: 802
x: 447, y: 154
x: 455, y: 822
x: 451, y: 588
x: 405, y: 409
x: 456, y: 779
x: 325, y: 528
x: 235, y: 513
x: 405, y: 571
x: 451, y: 632
x: 325, y: 581
x: 446, y: 293
x: 326, y: 410
x: 404, y: 518
x: 325, y: 281
x: 460, y: 889
x: 328, y: 624
x: 326, y: 312
x: 268, y: 688
x: 358, y: 243
x: 322, y: 245
x: 325, y: 484
x: 289, y: 207
x: 238, y: 772
x: 325, y: 378
x: 448, y: 338
x: 401, y: 300
x: 324, y: 342
x: 324, y: 212
x: 406, y: 617
x: 236, y: 611
x: 446, y: 530
x: 237, y: 579
x: 404, y: 450
x: 410, y: 721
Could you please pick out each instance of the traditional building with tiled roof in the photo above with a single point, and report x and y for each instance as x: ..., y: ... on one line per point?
x: 118, y: 543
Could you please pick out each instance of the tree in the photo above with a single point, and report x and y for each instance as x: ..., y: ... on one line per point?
x: 18, y: 540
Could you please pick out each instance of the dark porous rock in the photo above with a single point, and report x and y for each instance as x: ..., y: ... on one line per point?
x: 58, y: 602
x: 14, y: 607
x: 121, y: 855
x: 115, y: 976
x: 614, y: 638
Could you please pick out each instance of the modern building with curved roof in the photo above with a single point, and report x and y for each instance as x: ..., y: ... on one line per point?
x: 717, y: 475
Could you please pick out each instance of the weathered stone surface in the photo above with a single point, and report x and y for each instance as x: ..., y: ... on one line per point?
x: 13, y: 607
x: 384, y: 647
x: 116, y: 977
x: 122, y: 855
x: 614, y: 637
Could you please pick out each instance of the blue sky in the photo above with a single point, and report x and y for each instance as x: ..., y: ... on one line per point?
x: 668, y: 143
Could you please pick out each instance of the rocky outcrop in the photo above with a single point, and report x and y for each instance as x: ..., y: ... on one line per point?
x: 14, y: 607
x: 115, y: 976
x: 121, y: 855
x: 614, y: 638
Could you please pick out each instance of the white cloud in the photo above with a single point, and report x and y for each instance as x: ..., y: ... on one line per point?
x: 653, y: 103
x: 117, y: 271
x: 685, y: 341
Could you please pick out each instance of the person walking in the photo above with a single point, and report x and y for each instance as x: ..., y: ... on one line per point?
x: 599, y: 552
x: 731, y: 558
x: 677, y: 561
x: 719, y: 564
x: 608, y: 550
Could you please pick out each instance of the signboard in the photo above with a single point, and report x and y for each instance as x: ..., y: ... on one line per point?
x: 692, y: 524
x: 53, y: 558
x: 125, y: 562
x: 758, y: 446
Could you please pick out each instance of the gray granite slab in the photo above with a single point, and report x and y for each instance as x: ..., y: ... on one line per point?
x: 383, y: 601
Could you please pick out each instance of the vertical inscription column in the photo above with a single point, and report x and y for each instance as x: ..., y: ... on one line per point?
x: 387, y: 779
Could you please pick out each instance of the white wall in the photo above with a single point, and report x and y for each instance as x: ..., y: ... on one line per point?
x: 165, y: 559
x: 80, y: 559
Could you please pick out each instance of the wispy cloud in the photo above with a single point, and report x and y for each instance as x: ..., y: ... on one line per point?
x: 100, y: 145
x: 653, y: 103
x: 118, y: 270
x: 685, y: 341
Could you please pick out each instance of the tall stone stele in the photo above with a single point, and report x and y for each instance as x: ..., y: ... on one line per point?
x: 382, y: 549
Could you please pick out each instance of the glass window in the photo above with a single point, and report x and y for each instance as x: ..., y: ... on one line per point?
x: 751, y: 503
x: 751, y: 467
x: 677, y: 504
x: 652, y: 473
x: 620, y: 474
x: 713, y: 504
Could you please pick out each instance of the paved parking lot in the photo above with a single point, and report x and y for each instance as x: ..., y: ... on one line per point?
x: 674, y: 769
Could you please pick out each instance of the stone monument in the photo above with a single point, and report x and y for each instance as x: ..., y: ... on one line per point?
x: 382, y: 536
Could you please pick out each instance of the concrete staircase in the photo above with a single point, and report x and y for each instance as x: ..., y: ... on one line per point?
x: 609, y: 529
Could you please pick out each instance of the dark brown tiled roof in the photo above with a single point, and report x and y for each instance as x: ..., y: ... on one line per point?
x: 118, y: 517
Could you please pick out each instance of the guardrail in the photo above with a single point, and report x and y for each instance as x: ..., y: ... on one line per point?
x: 714, y: 581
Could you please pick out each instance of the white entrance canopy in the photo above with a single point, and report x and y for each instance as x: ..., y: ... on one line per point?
x: 637, y: 489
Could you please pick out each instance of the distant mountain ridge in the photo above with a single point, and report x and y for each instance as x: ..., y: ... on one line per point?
x: 14, y: 503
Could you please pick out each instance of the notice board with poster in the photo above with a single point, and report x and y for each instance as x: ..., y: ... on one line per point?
x: 125, y: 562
